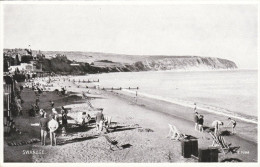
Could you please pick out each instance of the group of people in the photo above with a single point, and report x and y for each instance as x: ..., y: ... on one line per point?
x: 199, y: 120
x: 48, y: 125
x: 52, y: 124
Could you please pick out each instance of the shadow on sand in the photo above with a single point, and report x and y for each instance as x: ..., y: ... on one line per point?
x: 124, y: 146
x: 74, y: 128
x: 80, y: 139
x: 121, y: 128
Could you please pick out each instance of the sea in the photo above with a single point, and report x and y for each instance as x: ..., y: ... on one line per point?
x: 232, y: 93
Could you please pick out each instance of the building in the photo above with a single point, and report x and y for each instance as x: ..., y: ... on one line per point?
x: 23, y: 67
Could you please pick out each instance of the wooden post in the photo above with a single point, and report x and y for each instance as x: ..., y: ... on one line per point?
x: 8, y: 109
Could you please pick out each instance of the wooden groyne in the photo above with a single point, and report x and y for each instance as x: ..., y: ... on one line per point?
x: 83, y: 81
x: 120, y: 88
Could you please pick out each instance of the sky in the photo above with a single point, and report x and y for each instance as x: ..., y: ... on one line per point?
x: 226, y: 31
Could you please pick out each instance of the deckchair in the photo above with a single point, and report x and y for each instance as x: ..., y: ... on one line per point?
x: 111, y: 142
x: 90, y: 105
x: 224, y: 147
x: 174, y: 131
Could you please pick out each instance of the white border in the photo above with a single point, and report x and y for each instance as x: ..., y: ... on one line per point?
x: 124, y: 2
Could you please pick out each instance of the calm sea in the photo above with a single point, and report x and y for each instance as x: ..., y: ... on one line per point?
x: 232, y: 93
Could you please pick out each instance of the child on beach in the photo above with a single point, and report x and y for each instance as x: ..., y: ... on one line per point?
x: 195, y: 107
x: 234, y: 123
x: 196, y: 119
x: 200, y: 122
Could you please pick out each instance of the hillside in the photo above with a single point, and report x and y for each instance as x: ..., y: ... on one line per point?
x: 120, y: 62
x: 93, y: 62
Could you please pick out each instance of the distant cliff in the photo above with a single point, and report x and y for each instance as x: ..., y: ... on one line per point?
x: 120, y: 62
x: 184, y: 63
x: 93, y: 62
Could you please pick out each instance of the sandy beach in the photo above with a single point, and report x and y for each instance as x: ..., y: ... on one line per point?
x: 140, y: 127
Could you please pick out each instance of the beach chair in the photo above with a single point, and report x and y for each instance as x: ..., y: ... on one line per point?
x: 111, y: 142
x: 174, y: 133
x: 90, y: 105
x: 221, y: 143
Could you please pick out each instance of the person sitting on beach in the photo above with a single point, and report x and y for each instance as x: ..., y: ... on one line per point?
x: 51, y: 103
x: 63, y: 91
x: 53, y: 126
x: 99, y: 120
x: 44, y: 128
x: 234, y: 123
x: 196, y: 119
x: 107, y: 123
x: 216, y: 124
x: 42, y: 112
x: 200, y: 122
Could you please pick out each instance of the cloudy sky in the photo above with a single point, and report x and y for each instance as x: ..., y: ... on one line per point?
x: 225, y: 31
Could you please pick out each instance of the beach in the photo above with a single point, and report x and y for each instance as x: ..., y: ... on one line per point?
x: 140, y: 125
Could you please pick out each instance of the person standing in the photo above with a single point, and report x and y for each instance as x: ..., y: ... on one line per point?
x: 234, y: 123
x: 196, y: 119
x: 195, y: 107
x: 64, y: 120
x: 99, y: 120
x: 216, y: 124
x: 200, y: 122
x: 44, y: 128
x: 135, y: 96
x: 19, y: 106
x: 53, y: 126
x: 32, y: 111
x: 64, y: 109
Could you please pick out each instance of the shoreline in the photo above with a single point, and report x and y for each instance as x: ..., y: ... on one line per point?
x: 207, y: 108
x: 146, y: 101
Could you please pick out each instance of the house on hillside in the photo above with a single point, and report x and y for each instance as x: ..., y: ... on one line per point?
x: 22, y: 60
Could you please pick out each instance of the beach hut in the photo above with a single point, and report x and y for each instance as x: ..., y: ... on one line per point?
x: 8, y: 83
